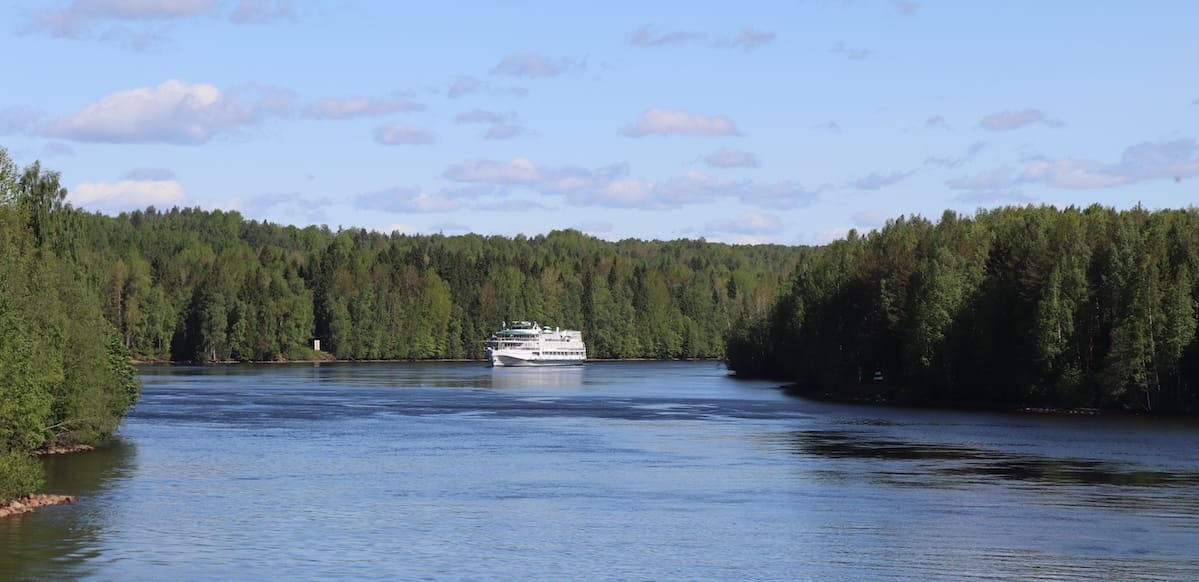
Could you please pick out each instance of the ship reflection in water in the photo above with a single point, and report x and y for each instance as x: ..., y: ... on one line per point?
x: 569, y: 377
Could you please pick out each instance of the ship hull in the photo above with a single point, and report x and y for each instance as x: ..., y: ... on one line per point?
x: 510, y: 361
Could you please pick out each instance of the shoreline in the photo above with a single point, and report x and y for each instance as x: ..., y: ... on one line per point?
x: 35, y: 501
x: 875, y: 398
x: 331, y: 360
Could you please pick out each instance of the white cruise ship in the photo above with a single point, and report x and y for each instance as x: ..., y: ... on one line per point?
x: 528, y: 344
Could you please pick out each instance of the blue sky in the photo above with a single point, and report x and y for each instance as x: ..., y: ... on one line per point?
x: 783, y: 122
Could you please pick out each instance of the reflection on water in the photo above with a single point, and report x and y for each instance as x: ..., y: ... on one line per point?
x: 61, y: 541
x: 647, y: 471
x: 566, y: 377
x: 976, y: 463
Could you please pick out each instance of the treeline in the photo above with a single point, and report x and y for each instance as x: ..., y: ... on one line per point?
x: 201, y: 286
x: 65, y: 377
x: 1027, y: 306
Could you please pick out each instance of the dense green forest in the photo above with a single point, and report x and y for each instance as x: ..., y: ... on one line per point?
x: 200, y: 286
x: 1025, y: 306
x: 65, y: 376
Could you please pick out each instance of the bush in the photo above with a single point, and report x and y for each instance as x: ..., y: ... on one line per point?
x: 20, y: 475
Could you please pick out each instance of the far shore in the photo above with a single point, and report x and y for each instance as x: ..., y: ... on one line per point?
x: 332, y: 360
x: 874, y: 397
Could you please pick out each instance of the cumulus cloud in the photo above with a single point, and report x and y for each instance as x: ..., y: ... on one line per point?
x: 357, y: 106
x: 534, y: 65
x: 851, y: 53
x: 1009, y: 120
x: 748, y: 39
x: 1171, y: 159
x: 643, y: 37
x: 731, y: 158
x: 75, y: 20
x: 659, y: 121
x: 396, y: 133
x: 463, y: 85
x: 516, y: 171
x: 127, y: 194
x: 173, y: 112
x: 878, y: 180
x: 612, y: 186
x: 754, y: 223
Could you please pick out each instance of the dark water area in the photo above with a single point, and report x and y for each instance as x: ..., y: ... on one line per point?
x: 628, y: 471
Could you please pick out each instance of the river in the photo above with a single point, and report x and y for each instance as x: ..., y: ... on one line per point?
x: 622, y: 471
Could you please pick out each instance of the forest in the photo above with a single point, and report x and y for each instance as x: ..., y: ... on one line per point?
x: 1014, y: 306
x: 65, y: 375
x: 189, y: 285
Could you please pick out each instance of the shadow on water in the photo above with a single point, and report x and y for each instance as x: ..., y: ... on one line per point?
x: 58, y: 542
x: 975, y: 463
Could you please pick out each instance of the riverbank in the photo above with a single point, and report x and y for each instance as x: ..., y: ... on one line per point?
x: 29, y: 503
x: 873, y: 396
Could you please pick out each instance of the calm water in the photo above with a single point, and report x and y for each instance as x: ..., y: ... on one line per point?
x: 630, y: 471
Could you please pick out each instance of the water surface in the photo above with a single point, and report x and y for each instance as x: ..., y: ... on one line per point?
x: 630, y: 471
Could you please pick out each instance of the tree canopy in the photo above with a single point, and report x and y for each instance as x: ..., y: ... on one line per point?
x: 1031, y: 306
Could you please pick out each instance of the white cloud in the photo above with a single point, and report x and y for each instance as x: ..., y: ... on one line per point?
x: 516, y: 171
x: 396, y: 133
x: 407, y: 200
x: 659, y: 121
x: 825, y: 236
x: 534, y: 65
x: 126, y: 194
x: 753, y: 223
x: 731, y: 158
x: 611, y: 185
x: 262, y: 11
x: 1009, y: 120
x: 1069, y: 173
x: 397, y: 228
x: 74, y: 20
x: 348, y: 107
x: 782, y: 195
x: 644, y: 38
x: 172, y: 112
x: 1173, y: 159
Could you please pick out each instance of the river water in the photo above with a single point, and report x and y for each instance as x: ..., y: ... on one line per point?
x: 624, y: 471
